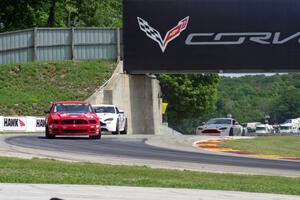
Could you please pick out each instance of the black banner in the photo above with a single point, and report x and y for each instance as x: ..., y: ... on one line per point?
x: 211, y: 36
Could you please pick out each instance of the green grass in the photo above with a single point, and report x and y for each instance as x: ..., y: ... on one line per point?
x: 13, y: 170
x: 27, y: 89
x: 279, y: 145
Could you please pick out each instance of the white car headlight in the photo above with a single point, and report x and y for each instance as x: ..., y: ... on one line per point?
x: 109, y: 119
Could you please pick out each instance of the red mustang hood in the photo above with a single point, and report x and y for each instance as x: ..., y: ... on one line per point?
x: 62, y: 116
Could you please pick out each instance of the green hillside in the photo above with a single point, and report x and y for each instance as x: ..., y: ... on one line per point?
x: 250, y: 98
x: 28, y: 89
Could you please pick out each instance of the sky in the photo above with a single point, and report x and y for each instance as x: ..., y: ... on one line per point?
x: 245, y: 74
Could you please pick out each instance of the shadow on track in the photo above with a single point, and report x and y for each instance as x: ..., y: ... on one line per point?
x: 65, y: 138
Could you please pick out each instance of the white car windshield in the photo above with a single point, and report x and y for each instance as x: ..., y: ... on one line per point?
x: 72, y: 108
x: 219, y: 121
x: 261, y: 128
x: 104, y: 109
x: 288, y: 121
x: 284, y: 127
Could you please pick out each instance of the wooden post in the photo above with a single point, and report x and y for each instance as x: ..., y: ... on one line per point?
x: 118, y: 45
x: 72, y: 44
x: 34, y: 44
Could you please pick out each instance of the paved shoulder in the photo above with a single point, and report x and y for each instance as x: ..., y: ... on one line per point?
x: 85, y: 192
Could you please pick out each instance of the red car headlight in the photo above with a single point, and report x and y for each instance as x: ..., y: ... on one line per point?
x: 93, y: 122
x: 55, y: 122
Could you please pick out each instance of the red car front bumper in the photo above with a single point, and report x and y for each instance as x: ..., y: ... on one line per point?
x: 74, y: 129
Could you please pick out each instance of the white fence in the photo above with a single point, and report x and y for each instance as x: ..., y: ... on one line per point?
x: 22, y: 124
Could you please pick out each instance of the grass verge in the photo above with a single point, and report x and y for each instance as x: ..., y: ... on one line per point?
x: 279, y: 145
x: 13, y: 170
x: 28, y: 89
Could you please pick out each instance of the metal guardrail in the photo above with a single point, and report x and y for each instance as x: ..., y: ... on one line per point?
x: 46, y: 44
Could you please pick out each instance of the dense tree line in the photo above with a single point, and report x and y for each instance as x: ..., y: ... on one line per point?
x: 21, y: 14
x: 194, y: 99
x: 251, y: 98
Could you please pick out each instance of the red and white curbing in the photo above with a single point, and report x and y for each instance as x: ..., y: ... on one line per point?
x: 214, y: 145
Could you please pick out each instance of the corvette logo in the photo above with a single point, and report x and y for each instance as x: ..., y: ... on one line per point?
x: 170, y: 35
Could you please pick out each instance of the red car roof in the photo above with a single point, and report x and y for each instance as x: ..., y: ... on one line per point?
x: 71, y: 102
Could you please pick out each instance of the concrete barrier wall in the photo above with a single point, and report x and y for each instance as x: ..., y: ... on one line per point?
x: 138, y: 96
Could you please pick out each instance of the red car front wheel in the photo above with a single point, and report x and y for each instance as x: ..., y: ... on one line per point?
x: 47, y: 134
x: 97, y: 137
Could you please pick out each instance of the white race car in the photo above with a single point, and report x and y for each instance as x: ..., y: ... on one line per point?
x: 111, y: 118
x: 220, y: 127
x: 264, y: 129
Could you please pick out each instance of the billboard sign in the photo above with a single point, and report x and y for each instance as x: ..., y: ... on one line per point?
x: 40, y: 124
x: 14, y: 123
x: 211, y: 36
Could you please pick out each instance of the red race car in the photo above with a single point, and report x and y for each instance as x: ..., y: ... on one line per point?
x: 72, y: 118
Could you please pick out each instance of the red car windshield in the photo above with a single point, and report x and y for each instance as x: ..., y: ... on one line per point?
x: 72, y: 108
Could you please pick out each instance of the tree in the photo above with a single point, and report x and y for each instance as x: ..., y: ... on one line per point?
x: 105, y: 13
x: 250, y: 98
x: 189, y: 96
x: 20, y: 14
x: 287, y: 105
x: 52, y: 13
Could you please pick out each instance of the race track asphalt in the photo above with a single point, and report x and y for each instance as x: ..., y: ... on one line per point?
x: 137, y: 148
